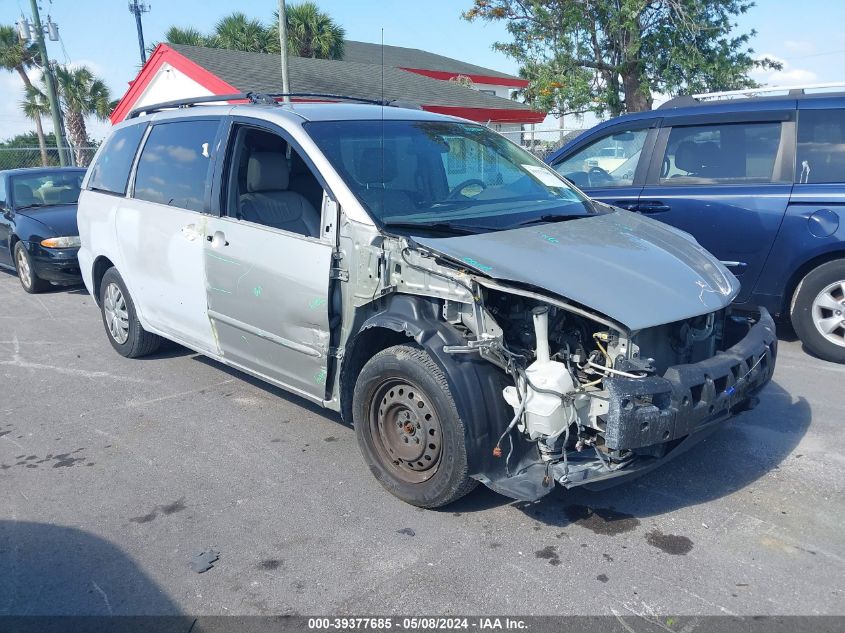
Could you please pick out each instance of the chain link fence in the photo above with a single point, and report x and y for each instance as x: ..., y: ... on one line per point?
x: 18, y: 157
x: 542, y: 142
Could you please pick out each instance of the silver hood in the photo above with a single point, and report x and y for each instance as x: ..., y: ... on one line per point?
x: 632, y: 269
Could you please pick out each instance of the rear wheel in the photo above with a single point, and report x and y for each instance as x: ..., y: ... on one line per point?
x: 818, y: 311
x: 126, y: 334
x: 31, y: 282
x: 409, y: 430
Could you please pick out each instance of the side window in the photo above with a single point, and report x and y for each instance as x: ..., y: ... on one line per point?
x: 174, y: 164
x: 269, y: 183
x: 2, y: 192
x: 733, y: 153
x: 821, y: 146
x: 110, y: 173
x: 608, y: 162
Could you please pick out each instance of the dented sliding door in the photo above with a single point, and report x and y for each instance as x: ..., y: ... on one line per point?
x: 268, y: 302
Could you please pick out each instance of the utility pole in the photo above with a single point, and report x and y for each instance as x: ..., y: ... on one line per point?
x: 137, y: 9
x: 283, y: 42
x: 52, y: 95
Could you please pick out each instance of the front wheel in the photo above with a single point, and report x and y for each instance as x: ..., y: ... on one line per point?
x: 126, y: 334
x: 31, y: 282
x: 408, y: 428
x: 818, y: 311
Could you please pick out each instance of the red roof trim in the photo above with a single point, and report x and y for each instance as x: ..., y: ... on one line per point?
x: 478, y: 79
x: 163, y: 54
x: 496, y: 115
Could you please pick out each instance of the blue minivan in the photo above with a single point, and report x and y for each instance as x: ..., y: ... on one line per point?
x: 759, y: 181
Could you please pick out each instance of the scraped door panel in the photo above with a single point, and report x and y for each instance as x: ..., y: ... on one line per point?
x: 268, y: 302
x: 162, y: 252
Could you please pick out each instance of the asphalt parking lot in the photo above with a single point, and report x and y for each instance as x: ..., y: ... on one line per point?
x: 114, y: 473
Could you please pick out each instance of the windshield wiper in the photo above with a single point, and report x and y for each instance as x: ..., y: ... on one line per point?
x: 37, y: 205
x: 550, y: 217
x: 440, y: 227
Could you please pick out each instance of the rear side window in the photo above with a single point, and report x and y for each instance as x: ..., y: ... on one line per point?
x: 174, y: 164
x: 110, y: 172
x: 735, y: 153
x: 821, y: 146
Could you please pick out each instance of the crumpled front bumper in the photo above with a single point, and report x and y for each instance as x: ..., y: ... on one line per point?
x: 666, y: 414
x: 652, y: 420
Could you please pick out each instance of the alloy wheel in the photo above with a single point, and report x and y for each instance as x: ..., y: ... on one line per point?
x: 24, y: 271
x: 829, y: 313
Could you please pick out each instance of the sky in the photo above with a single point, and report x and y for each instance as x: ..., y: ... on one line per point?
x: 803, y: 34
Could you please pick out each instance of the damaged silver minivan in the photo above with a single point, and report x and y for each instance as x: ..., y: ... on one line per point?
x: 474, y: 316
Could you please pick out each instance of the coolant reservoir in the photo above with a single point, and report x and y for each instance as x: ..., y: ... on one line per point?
x: 545, y: 413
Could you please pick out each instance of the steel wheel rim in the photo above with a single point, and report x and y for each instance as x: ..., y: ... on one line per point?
x: 406, y: 430
x: 24, y: 271
x: 116, y: 313
x: 829, y: 313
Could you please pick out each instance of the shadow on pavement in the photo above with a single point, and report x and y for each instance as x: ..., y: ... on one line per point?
x: 55, y: 570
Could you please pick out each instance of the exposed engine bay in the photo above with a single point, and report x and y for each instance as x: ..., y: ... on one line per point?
x: 581, y: 382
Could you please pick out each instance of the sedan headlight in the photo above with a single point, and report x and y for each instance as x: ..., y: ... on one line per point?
x: 70, y: 241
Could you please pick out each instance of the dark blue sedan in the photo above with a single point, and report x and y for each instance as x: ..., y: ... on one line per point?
x: 38, y: 234
x: 759, y: 182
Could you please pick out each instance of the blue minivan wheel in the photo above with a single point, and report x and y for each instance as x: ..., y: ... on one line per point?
x: 818, y: 311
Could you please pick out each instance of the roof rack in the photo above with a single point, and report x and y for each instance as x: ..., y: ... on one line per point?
x: 259, y: 99
x: 754, y: 92
x: 747, y: 93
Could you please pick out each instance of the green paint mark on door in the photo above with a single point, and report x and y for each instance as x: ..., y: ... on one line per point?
x: 257, y: 291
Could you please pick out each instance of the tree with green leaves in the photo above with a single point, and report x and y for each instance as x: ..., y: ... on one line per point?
x: 15, y: 56
x: 189, y: 36
x: 81, y: 94
x: 311, y: 33
x: 614, y: 55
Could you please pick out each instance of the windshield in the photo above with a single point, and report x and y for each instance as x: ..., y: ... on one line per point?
x: 46, y: 189
x: 440, y: 174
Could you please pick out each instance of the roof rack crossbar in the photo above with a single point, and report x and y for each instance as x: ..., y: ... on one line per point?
x: 257, y: 98
x: 320, y: 95
x: 252, y: 97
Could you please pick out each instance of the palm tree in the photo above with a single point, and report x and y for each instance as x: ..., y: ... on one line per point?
x: 34, y: 106
x: 311, y: 33
x: 81, y: 95
x: 15, y: 56
x: 239, y: 33
x: 190, y: 36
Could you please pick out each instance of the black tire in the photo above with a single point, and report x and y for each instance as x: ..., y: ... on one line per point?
x: 420, y: 407
x: 138, y: 341
x: 30, y: 282
x: 804, y: 313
